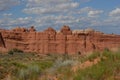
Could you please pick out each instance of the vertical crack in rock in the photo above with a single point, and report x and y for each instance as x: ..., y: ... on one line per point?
x: 2, y: 43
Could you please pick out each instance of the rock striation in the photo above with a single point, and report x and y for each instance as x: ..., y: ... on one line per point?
x: 52, y: 41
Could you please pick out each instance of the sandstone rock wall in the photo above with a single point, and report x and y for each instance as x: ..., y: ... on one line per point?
x: 2, y: 44
x: 51, y: 41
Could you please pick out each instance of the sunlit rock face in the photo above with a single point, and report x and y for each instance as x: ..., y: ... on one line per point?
x: 59, y: 42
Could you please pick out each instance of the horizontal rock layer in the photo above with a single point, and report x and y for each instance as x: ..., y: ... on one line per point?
x: 52, y: 41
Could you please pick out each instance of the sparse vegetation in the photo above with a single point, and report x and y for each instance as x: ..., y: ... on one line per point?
x: 32, y: 66
x: 15, y: 50
x: 104, y: 70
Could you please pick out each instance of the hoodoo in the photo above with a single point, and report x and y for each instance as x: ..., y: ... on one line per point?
x: 59, y: 42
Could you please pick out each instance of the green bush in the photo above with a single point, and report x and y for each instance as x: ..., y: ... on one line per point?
x: 32, y: 72
x: 15, y: 50
x: 90, y: 57
x: 10, y: 52
x: 94, y: 56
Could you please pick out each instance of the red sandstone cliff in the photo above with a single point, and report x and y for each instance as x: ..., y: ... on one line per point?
x: 52, y: 41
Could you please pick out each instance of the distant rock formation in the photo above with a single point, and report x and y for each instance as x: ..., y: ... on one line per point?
x: 59, y: 42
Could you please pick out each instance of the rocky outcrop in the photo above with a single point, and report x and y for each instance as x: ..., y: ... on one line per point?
x: 63, y: 41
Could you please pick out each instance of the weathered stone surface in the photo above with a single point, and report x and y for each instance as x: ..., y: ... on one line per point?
x: 52, y: 41
x: 2, y: 44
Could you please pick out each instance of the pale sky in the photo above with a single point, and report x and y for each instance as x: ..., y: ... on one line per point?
x: 102, y: 15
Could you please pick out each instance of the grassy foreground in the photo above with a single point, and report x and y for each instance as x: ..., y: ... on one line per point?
x: 17, y: 65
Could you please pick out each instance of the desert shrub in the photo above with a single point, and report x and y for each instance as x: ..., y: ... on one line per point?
x: 10, y: 52
x: 66, y: 56
x: 66, y: 73
x: 33, y: 70
x: 90, y: 57
x: 15, y: 50
x: 18, y: 65
x: 108, y: 55
x: 30, y: 73
x: 106, y: 49
x: 43, y: 64
x: 62, y: 66
x: 94, y: 56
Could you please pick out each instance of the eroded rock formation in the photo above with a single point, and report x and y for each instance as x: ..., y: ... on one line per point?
x: 52, y: 41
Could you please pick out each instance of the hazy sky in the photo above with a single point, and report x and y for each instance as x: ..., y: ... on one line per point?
x: 103, y: 15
